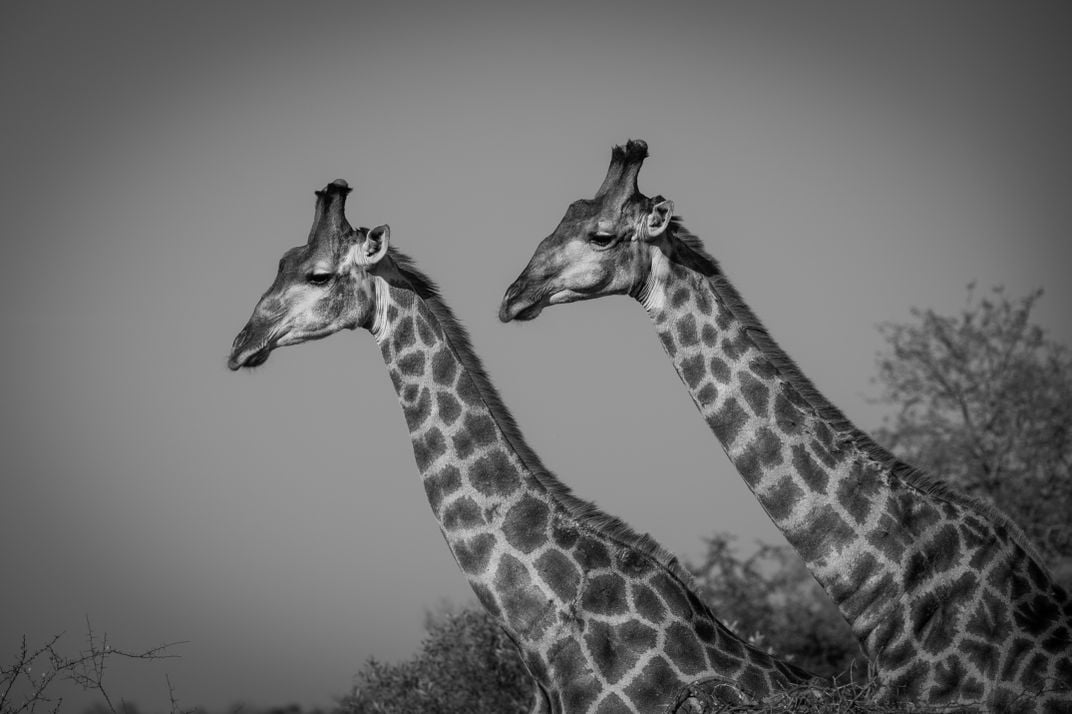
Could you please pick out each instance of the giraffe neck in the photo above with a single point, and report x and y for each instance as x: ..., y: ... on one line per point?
x: 761, y: 421
x: 600, y: 616
x: 909, y: 564
x: 478, y: 485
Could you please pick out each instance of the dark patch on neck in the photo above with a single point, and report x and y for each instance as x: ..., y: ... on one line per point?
x: 682, y: 247
x: 400, y: 272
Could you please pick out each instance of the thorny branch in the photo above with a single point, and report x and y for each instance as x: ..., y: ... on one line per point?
x: 27, y: 684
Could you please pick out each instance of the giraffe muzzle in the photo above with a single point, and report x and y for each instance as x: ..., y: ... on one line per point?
x: 250, y: 349
x: 520, y: 304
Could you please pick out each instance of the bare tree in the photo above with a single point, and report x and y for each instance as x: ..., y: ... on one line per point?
x: 30, y: 681
x: 985, y: 403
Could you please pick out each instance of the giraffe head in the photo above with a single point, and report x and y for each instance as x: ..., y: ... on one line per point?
x: 321, y: 287
x: 602, y: 246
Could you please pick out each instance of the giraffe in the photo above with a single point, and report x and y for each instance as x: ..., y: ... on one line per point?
x: 605, y: 619
x: 945, y: 595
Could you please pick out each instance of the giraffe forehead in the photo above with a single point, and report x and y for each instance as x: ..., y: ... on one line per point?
x: 326, y: 256
x: 296, y: 260
x: 292, y: 257
x: 607, y: 216
x: 582, y: 210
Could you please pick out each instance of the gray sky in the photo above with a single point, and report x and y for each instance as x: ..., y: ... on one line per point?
x: 844, y: 162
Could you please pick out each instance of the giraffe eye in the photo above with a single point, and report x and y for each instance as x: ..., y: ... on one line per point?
x: 602, y: 240
x: 319, y: 278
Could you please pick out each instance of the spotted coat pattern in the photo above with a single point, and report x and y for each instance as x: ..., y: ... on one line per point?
x: 945, y: 595
x: 943, y: 599
x: 602, y: 626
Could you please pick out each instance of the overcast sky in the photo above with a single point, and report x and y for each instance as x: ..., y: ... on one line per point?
x: 844, y: 162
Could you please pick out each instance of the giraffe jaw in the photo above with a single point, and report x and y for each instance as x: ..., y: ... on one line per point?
x: 516, y: 309
x: 243, y: 356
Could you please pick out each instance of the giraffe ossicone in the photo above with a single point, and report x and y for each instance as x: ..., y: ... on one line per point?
x: 945, y: 594
x: 604, y: 618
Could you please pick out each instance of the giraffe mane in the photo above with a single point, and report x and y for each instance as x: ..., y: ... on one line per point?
x: 585, y: 512
x: 696, y: 257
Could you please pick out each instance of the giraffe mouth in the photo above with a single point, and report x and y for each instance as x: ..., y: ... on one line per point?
x: 251, y: 347
x: 520, y: 306
x: 243, y: 355
x: 529, y: 312
x: 514, y: 310
x: 250, y: 357
x: 259, y: 357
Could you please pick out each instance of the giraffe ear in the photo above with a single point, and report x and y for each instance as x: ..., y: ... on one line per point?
x: 659, y: 217
x: 374, y: 247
